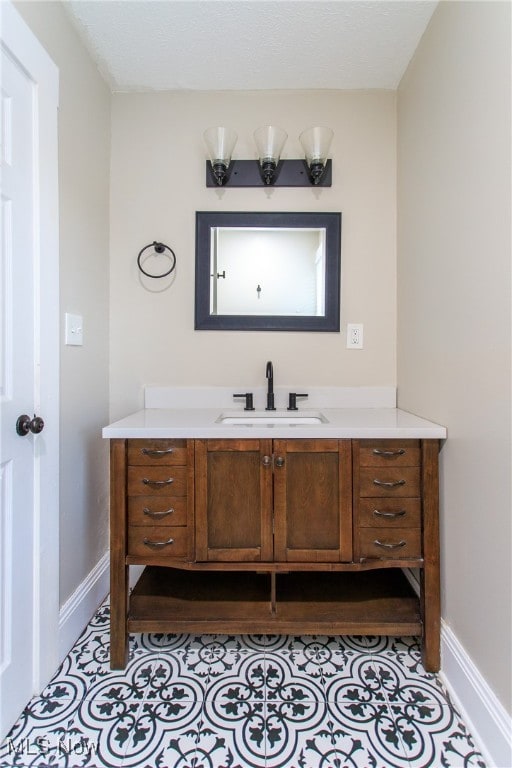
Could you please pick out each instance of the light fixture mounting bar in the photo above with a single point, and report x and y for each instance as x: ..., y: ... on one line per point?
x: 289, y: 173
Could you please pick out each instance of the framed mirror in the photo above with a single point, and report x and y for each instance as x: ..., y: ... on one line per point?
x: 268, y: 271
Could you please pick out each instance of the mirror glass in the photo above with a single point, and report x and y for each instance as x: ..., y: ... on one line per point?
x: 251, y: 268
x: 268, y: 271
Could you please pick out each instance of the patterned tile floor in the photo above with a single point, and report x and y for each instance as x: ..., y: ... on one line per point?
x: 212, y: 701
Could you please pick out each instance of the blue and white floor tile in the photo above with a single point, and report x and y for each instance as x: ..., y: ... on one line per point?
x: 259, y: 701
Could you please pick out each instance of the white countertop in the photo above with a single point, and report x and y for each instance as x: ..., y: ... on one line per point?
x: 340, y: 423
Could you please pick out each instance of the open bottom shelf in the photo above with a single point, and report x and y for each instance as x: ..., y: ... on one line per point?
x: 379, y: 602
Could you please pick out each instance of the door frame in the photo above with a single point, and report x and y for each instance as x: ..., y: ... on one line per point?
x: 21, y: 44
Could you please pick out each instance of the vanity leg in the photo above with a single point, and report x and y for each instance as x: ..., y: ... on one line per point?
x: 118, y: 567
x: 430, y: 574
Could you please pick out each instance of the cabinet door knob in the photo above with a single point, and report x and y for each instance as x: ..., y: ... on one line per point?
x: 279, y: 461
x: 266, y: 461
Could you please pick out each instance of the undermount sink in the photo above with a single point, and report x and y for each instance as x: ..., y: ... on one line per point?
x: 271, y: 418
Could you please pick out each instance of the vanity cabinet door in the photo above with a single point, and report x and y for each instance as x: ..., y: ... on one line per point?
x: 233, y: 500
x: 312, y: 501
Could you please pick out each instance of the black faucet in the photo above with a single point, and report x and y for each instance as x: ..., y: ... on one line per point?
x: 269, y: 373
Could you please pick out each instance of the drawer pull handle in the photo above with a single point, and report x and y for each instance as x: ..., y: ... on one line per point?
x: 158, y: 515
x: 150, y: 452
x: 146, y: 481
x: 157, y: 544
x: 388, y: 454
x: 389, y: 483
x: 386, y: 545
x: 381, y: 513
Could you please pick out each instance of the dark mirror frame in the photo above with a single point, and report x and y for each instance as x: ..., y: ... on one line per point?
x: 331, y: 222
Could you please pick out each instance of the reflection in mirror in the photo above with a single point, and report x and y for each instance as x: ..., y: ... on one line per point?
x: 251, y: 269
x: 268, y: 271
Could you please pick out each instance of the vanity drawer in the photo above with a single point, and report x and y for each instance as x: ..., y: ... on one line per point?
x: 389, y: 544
x: 157, y: 510
x: 157, y: 481
x: 389, y: 513
x: 169, y: 541
x: 148, y: 452
x: 389, y: 481
x: 389, y: 453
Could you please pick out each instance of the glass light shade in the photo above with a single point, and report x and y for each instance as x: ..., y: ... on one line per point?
x: 315, y: 143
x: 270, y: 142
x: 221, y: 143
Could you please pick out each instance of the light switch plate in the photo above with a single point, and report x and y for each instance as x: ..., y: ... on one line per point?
x: 73, y: 330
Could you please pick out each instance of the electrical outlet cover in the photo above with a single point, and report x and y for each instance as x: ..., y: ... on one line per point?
x: 354, y: 335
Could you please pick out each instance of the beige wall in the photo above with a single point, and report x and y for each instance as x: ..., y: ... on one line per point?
x: 84, y: 150
x: 454, y: 300
x: 157, y: 185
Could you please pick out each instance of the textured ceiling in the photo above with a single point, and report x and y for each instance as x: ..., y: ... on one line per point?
x: 153, y: 45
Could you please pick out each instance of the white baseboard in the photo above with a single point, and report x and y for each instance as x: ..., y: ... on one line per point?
x: 485, y: 716
x: 135, y: 574
x: 412, y: 576
x: 77, y: 611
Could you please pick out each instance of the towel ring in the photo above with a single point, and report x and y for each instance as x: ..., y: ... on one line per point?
x: 159, y: 248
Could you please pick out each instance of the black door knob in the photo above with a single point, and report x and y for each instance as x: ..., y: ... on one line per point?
x: 25, y: 424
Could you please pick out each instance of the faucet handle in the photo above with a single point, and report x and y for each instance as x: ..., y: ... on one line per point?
x: 292, y: 400
x: 249, y: 406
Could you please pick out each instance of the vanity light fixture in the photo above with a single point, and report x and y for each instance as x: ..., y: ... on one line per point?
x: 269, y: 169
x: 270, y: 141
x: 221, y: 143
x: 316, y: 143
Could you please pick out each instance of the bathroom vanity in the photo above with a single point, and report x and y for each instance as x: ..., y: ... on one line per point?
x: 287, y: 527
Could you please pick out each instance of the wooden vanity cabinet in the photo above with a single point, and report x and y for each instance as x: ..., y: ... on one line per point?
x: 275, y: 536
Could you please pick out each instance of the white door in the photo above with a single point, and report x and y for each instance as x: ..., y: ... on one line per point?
x: 28, y: 367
